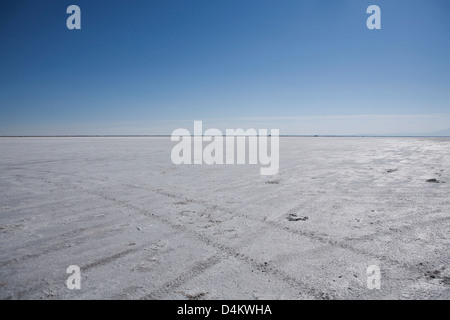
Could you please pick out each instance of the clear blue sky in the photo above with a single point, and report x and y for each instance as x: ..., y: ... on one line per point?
x: 146, y: 67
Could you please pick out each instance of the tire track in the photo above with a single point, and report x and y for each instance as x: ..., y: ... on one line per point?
x: 230, y: 251
x: 279, y: 274
x: 195, y: 270
x: 322, y: 238
x: 66, y: 243
x: 61, y: 279
x: 111, y: 258
x: 394, y: 231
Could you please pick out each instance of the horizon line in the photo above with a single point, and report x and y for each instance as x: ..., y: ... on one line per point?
x: 168, y: 136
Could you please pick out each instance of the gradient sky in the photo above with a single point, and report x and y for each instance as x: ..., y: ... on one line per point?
x: 148, y: 67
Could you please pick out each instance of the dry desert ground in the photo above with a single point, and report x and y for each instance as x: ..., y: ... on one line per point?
x: 140, y: 227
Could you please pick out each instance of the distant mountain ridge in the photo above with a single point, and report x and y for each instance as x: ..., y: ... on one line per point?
x: 439, y: 133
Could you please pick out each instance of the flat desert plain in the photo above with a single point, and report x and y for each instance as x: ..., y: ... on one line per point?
x: 140, y: 227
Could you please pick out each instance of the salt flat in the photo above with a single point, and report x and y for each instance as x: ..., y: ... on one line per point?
x: 141, y: 227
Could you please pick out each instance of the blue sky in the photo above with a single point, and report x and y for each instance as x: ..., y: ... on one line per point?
x: 148, y: 67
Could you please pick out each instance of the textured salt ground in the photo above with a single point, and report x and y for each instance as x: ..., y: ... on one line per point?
x: 142, y: 228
